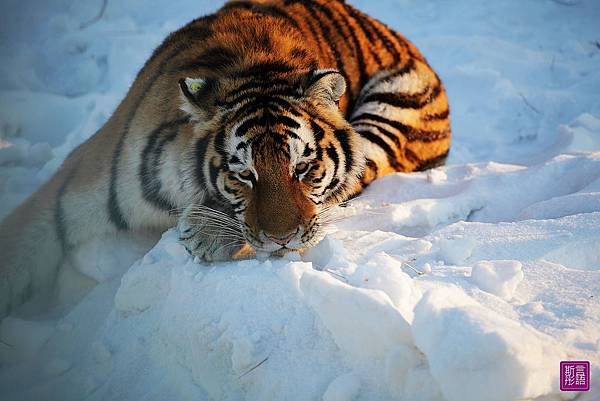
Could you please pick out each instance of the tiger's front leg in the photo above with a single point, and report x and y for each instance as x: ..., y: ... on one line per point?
x: 207, y: 234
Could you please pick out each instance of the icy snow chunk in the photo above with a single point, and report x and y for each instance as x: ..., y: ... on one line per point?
x: 291, y: 274
x: 437, y: 176
x: 327, y: 251
x: 363, y: 323
x: 498, y: 277
x: 343, y: 388
x: 456, y: 249
x: 476, y: 354
x: 426, y: 268
x: 384, y: 272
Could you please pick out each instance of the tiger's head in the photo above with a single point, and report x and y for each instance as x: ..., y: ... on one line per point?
x: 274, y: 153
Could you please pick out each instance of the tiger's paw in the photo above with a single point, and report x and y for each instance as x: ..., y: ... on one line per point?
x: 203, y: 241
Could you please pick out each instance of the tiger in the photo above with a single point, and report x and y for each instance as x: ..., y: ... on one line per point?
x: 242, y: 130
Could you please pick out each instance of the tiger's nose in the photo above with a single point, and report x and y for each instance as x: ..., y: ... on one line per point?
x: 281, y: 240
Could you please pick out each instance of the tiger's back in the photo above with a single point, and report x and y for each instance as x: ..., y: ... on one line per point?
x: 257, y: 69
x: 394, y: 99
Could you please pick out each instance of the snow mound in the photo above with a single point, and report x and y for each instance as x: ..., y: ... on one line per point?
x: 237, y: 327
x: 343, y: 309
x: 281, y: 329
x: 499, y: 277
x: 477, y: 354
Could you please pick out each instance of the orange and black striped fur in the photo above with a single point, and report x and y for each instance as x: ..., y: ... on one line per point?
x: 244, y: 127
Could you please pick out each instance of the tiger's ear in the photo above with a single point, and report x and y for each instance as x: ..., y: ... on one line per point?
x: 326, y: 85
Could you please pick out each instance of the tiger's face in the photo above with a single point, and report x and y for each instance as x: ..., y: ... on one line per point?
x: 278, y: 154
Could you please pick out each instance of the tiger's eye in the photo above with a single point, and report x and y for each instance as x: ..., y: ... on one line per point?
x: 246, y: 175
x: 301, y: 168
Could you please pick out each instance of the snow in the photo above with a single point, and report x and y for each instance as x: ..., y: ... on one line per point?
x: 468, y: 282
x: 343, y: 388
x: 498, y: 277
x: 490, y: 357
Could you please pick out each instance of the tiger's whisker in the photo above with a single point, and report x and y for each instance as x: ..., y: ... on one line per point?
x: 229, y: 244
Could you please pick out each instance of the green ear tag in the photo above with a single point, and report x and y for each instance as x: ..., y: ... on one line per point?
x: 195, y: 86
